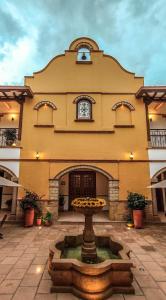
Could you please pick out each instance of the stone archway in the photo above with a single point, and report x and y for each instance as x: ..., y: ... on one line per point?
x: 159, y: 195
x: 113, y: 186
x: 14, y: 192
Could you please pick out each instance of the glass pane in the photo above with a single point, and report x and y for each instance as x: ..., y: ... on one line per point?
x: 84, y: 110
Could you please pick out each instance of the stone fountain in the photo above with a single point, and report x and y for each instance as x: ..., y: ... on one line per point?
x: 91, y: 267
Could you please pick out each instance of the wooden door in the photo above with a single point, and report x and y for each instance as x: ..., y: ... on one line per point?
x: 81, y: 184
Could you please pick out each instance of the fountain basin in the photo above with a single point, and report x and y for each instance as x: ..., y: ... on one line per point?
x: 90, y: 281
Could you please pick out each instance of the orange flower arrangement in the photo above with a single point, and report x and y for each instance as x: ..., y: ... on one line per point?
x: 88, y: 202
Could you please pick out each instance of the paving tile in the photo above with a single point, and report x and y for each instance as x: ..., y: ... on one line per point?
x: 45, y: 286
x: 145, y: 281
x: 158, y: 275
x: 116, y: 297
x: 150, y: 266
x: 144, y: 257
x: 68, y: 296
x: 31, y: 250
x: 46, y: 274
x: 6, y: 297
x: 137, y: 288
x: 148, y: 248
x: 40, y: 260
x: 9, y: 286
x: 31, y: 280
x: 9, y: 261
x: 27, y: 293
x: 16, y: 253
x: 153, y: 294
x: 2, y: 277
x: 46, y: 297
x: 134, y: 297
x: 36, y: 269
x: 23, y: 263
x: 162, y: 286
x: 28, y: 256
x: 4, y: 269
x: 16, y: 273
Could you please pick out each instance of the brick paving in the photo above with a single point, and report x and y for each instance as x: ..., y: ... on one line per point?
x: 24, y: 254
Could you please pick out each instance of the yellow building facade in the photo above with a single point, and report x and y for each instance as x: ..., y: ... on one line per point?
x: 84, y: 131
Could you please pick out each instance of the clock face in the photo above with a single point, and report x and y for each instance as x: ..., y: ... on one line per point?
x: 84, y: 110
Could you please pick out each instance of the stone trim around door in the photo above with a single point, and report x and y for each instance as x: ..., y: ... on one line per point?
x: 54, y: 198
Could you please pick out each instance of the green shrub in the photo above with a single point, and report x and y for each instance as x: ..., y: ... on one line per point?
x: 136, y: 201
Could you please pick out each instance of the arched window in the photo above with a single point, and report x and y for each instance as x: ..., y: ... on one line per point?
x: 83, y: 54
x: 123, y: 114
x: 84, y: 109
x: 45, y: 111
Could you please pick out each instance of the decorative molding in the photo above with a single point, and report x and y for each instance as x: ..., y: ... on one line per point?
x: 82, y: 62
x: 43, y: 126
x: 45, y: 102
x: 78, y: 167
x: 60, y: 160
x: 83, y: 120
x: 84, y: 93
x: 84, y: 97
x: 82, y: 41
x: 124, y: 126
x: 85, y: 131
x: 125, y: 103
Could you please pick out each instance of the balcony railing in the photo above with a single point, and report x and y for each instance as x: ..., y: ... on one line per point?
x: 158, y: 138
x: 4, y: 141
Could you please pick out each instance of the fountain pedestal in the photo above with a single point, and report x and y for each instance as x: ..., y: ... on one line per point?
x: 88, y: 207
x: 88, y: 247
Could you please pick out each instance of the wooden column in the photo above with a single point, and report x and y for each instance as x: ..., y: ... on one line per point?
x: 147, y: 118
x: 20, y: 118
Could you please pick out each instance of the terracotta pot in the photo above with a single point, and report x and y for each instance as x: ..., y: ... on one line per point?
x: 138, y: 218
x: 29, y: 217
x: 38, y: 221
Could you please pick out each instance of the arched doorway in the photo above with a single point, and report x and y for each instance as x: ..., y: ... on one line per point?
x: 82, y: 181
x: 159, y: 194
x: 8, y: 195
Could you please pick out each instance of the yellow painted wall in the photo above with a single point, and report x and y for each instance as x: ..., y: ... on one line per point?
x: 107, y: 83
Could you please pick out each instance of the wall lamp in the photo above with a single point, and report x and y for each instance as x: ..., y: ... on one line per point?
x: 37, y: 155
x: 131, y: 156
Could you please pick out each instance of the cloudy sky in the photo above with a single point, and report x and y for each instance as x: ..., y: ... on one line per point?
x: 33, y: 31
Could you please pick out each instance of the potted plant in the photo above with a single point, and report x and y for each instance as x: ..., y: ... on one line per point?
x: 39, y: 219
x: 29, y: 205
x: 61, y: 203
x: 137, y: 203
x: 10, y: 136
x: 9, y: 204
x: 47, y: 219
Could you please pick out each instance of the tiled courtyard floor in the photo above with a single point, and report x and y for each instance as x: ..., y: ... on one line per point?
x: 24, y: 253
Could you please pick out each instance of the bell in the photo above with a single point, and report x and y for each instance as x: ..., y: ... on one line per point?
x: 83, y: 56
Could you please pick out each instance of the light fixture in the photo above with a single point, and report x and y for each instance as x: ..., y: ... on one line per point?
x: 131, y: 156
x: 83, y: 56
x: 12, y: 118
x: 150, y: 118
x: 37, y: 155
x: 14, y: 144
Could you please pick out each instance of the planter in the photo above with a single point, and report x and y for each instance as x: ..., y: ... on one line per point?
x: 138, y: 218
x: 38, y: 221
x: 29, y: 217
x: 47, y: 223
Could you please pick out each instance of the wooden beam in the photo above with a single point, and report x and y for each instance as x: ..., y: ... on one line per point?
x: 20, y: 120
x: 147, y: 120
